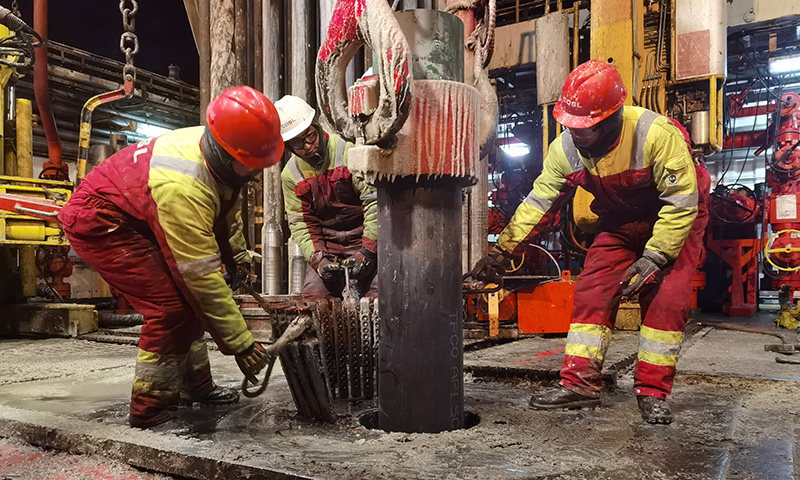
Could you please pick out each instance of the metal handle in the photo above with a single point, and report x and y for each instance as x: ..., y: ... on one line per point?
x: 38, y: 213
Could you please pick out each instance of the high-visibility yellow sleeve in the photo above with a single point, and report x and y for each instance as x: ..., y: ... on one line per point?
x: 186, y: 213
x: 294, y: 212
x: 537, y: 212
x: 676, y: 180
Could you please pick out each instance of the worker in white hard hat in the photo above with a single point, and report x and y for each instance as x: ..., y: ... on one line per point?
x: 332, y: 213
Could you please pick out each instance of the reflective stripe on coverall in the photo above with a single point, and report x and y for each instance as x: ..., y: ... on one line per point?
x: 331, y: 213
x: 647, y: 197
x: 144, y: 219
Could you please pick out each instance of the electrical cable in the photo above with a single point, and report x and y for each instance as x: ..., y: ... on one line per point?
x: 726, y: 165
x: 752, y: 133
x: 558, y: 267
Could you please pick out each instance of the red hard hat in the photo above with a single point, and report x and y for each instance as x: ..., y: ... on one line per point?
x: 244, y: 121
x: 592, y: 92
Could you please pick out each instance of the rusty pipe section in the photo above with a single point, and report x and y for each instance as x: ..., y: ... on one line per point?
x: 55, y: 168
x: 86, y: 120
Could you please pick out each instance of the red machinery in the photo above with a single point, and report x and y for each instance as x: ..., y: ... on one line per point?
x: 782, y: 243
x: 733, y: 236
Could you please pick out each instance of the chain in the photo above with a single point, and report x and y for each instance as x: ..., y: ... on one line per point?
x: 129, y: 42
x: 15, y: 8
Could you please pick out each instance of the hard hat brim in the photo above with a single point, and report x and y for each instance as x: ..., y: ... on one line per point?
x: 579, y: 121
x: 296, y: 131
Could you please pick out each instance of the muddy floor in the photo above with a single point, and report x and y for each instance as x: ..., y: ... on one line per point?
x: 736, y: 415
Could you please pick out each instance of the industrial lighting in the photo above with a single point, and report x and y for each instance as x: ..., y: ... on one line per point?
x: 151, y: 130
x: 789, y: 64
x: 516, y: 149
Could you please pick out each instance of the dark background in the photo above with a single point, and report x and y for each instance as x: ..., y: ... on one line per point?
x: 95, y: 25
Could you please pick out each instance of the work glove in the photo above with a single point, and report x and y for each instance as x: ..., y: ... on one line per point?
x: 362, y: 265
x: 327, y: 269
x: 252, y: 360
x: 645, y: 271
x: 238, y: 278
x: 491, y: 268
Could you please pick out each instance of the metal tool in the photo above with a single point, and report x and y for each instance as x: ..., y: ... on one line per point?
x: 349, y: 301
x: 294, y: 330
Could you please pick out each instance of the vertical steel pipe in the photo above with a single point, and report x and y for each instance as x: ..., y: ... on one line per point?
x: 420, y: 381
x: 24, y: 127
x: 272, y: 259
x: 40, y: 88
x: 272, y: 29
x: 302, y: 60
x: 298, y: 274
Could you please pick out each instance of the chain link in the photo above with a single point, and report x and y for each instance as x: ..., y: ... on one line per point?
x: 15, y: 8
x: 128, y: 41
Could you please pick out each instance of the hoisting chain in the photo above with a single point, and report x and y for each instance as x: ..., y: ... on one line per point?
x: 15, y: 8
x: 129, y: 42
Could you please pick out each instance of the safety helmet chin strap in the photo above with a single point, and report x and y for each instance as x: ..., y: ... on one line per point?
x: 610, y: 129
x: 221, y: 162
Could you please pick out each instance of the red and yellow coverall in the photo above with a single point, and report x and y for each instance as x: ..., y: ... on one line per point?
x: 332, y: 214
x: 148, y: 220
x: 649, y: 194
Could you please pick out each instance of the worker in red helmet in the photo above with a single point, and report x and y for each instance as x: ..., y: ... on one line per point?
x: 651, y: 199
x: 158, y: 221
x: 333, y: 215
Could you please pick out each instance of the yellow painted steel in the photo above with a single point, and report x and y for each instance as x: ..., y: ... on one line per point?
x: 29, y: 230
x: 34, y: 230
x: 715, y: 111
x: 5, y: 75
x: 618, y: 37
x: 18, y: 230
x: 24, y: 138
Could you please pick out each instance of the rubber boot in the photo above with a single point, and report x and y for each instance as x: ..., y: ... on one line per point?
x: 561, y: 397
x: 162, y: 417
x: 654, y: 410
x: 216, y: 396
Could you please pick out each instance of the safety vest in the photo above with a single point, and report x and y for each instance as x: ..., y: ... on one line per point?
x: 165, y: 183
x: 328, y: 208
x: 649, y: 176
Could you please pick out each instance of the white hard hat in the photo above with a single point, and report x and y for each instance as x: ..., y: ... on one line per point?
x: 296, y: 116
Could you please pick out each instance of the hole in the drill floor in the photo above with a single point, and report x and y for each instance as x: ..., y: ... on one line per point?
x: 370, y: 420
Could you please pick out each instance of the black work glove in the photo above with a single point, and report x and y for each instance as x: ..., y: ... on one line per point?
x: 327, y: 269
x: 239, y: 277
x: 252, y: 360
x: 645, y: 271
x: 362, y: 265
x: 490, y: 268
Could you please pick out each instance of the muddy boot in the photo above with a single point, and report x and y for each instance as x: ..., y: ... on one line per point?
x: 654, y: 410
x: 151, y: 421
x: 217, y: 396
x: 560, y: 397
